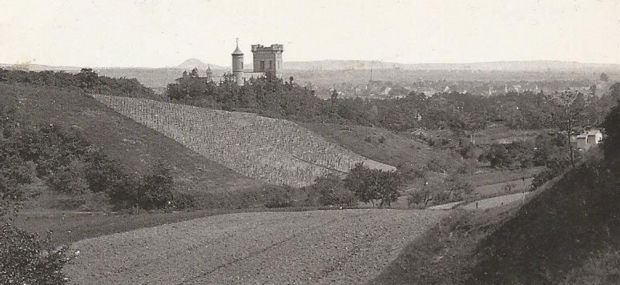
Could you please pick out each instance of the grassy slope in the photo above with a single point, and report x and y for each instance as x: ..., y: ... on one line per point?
x: 443, y: 254
x: 135, y: 146
x: 396, y: 150
x: 446, y: 254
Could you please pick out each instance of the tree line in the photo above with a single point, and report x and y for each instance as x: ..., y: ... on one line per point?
x: 275, y: 97
x: 86, y: 79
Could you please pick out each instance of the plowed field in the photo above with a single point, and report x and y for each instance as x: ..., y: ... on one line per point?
x: 318, y: 247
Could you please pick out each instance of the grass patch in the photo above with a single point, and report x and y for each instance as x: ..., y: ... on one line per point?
x: 495, y: 177
x: 377, y: 144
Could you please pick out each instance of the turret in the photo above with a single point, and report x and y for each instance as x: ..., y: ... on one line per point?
x: 237, y: 65
x: 209, y: 73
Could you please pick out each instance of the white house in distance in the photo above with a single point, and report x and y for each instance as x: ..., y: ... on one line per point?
x: 588, y: 139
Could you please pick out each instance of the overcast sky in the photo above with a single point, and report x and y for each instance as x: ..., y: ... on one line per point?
x: 160, y: 33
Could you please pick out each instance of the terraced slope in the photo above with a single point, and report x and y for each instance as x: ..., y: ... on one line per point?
x: 273, y: 150
x: 318, y: 247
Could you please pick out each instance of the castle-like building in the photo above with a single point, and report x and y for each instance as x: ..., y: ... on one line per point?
x: 265, y: 59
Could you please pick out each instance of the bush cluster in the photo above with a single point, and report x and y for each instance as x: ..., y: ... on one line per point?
x: 27, y: 259
x: 330, y: 190
x: 70, y: 165
x: 361, y: 184
x: 153, y: 191
x: 454, y: 188
x: 86, y: 79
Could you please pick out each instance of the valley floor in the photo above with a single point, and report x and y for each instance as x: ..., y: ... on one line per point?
x: 314, y: 247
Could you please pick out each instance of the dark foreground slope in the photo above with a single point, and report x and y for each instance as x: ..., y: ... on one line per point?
x: 556, y: 232
x: 133, y: 145
x: 568, y: 233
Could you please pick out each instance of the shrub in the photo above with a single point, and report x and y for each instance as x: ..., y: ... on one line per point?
x: 440, y: 197
x: 69, y: 179
x: 156, y: 188
x: 332, y: 192
x: 419, y: 197
x: 183, y: 201
x: 123, y: 194
x: 100, y: 172
x: 153, y: 191
x: 26, y: 259
x: 497, y: 155
x: 544, y: 176
x: 508, y: 188
x: 279, y: 197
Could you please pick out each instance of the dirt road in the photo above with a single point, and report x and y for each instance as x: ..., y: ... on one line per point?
x: 317, y: 247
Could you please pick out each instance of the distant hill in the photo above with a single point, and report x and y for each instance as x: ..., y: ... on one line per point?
x: 38, y: 67
x: 539, y: 65
x: 159, y: 78
x: 197, y: 63
x: 535, y: 65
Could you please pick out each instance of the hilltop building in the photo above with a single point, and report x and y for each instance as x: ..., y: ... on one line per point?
x: 237, y: 64
x: 265, y: 59
x: 209, y: 73
x: 268, y: 58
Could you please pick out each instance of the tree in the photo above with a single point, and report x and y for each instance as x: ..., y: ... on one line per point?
x: 568, y: 116
x: 371, y: 185
x: 157, y: 188
x: 614, y: 91
x: 332, y: 191
x: 27, y: 259
x: 194, y: 73
x: 611, y: 143
x: 333, y: 103
x: 88, y: 78
x: 604, y: 77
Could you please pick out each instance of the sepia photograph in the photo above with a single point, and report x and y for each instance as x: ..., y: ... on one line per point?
x: 286, y: 142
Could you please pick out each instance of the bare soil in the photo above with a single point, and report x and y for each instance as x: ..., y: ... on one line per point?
x: 316, y: 247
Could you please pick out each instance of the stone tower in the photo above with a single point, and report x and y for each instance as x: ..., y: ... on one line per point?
x: 237, y: 65
x: 268, y: 59
x: 209, y: 73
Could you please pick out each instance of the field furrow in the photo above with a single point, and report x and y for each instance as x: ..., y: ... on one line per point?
x: 342, y: 247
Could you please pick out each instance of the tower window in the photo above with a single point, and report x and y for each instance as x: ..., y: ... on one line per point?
x: 270, y: 65
x: 262, y: 66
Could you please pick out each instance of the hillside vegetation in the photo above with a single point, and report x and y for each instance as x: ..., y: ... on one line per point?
x: 567, y: 233
x: 571, y: 230
x: 135, y: 147
x: 273, y: 150
x: 378, y: 144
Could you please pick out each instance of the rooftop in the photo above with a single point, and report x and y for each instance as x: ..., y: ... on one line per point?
x: 274, y: 47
